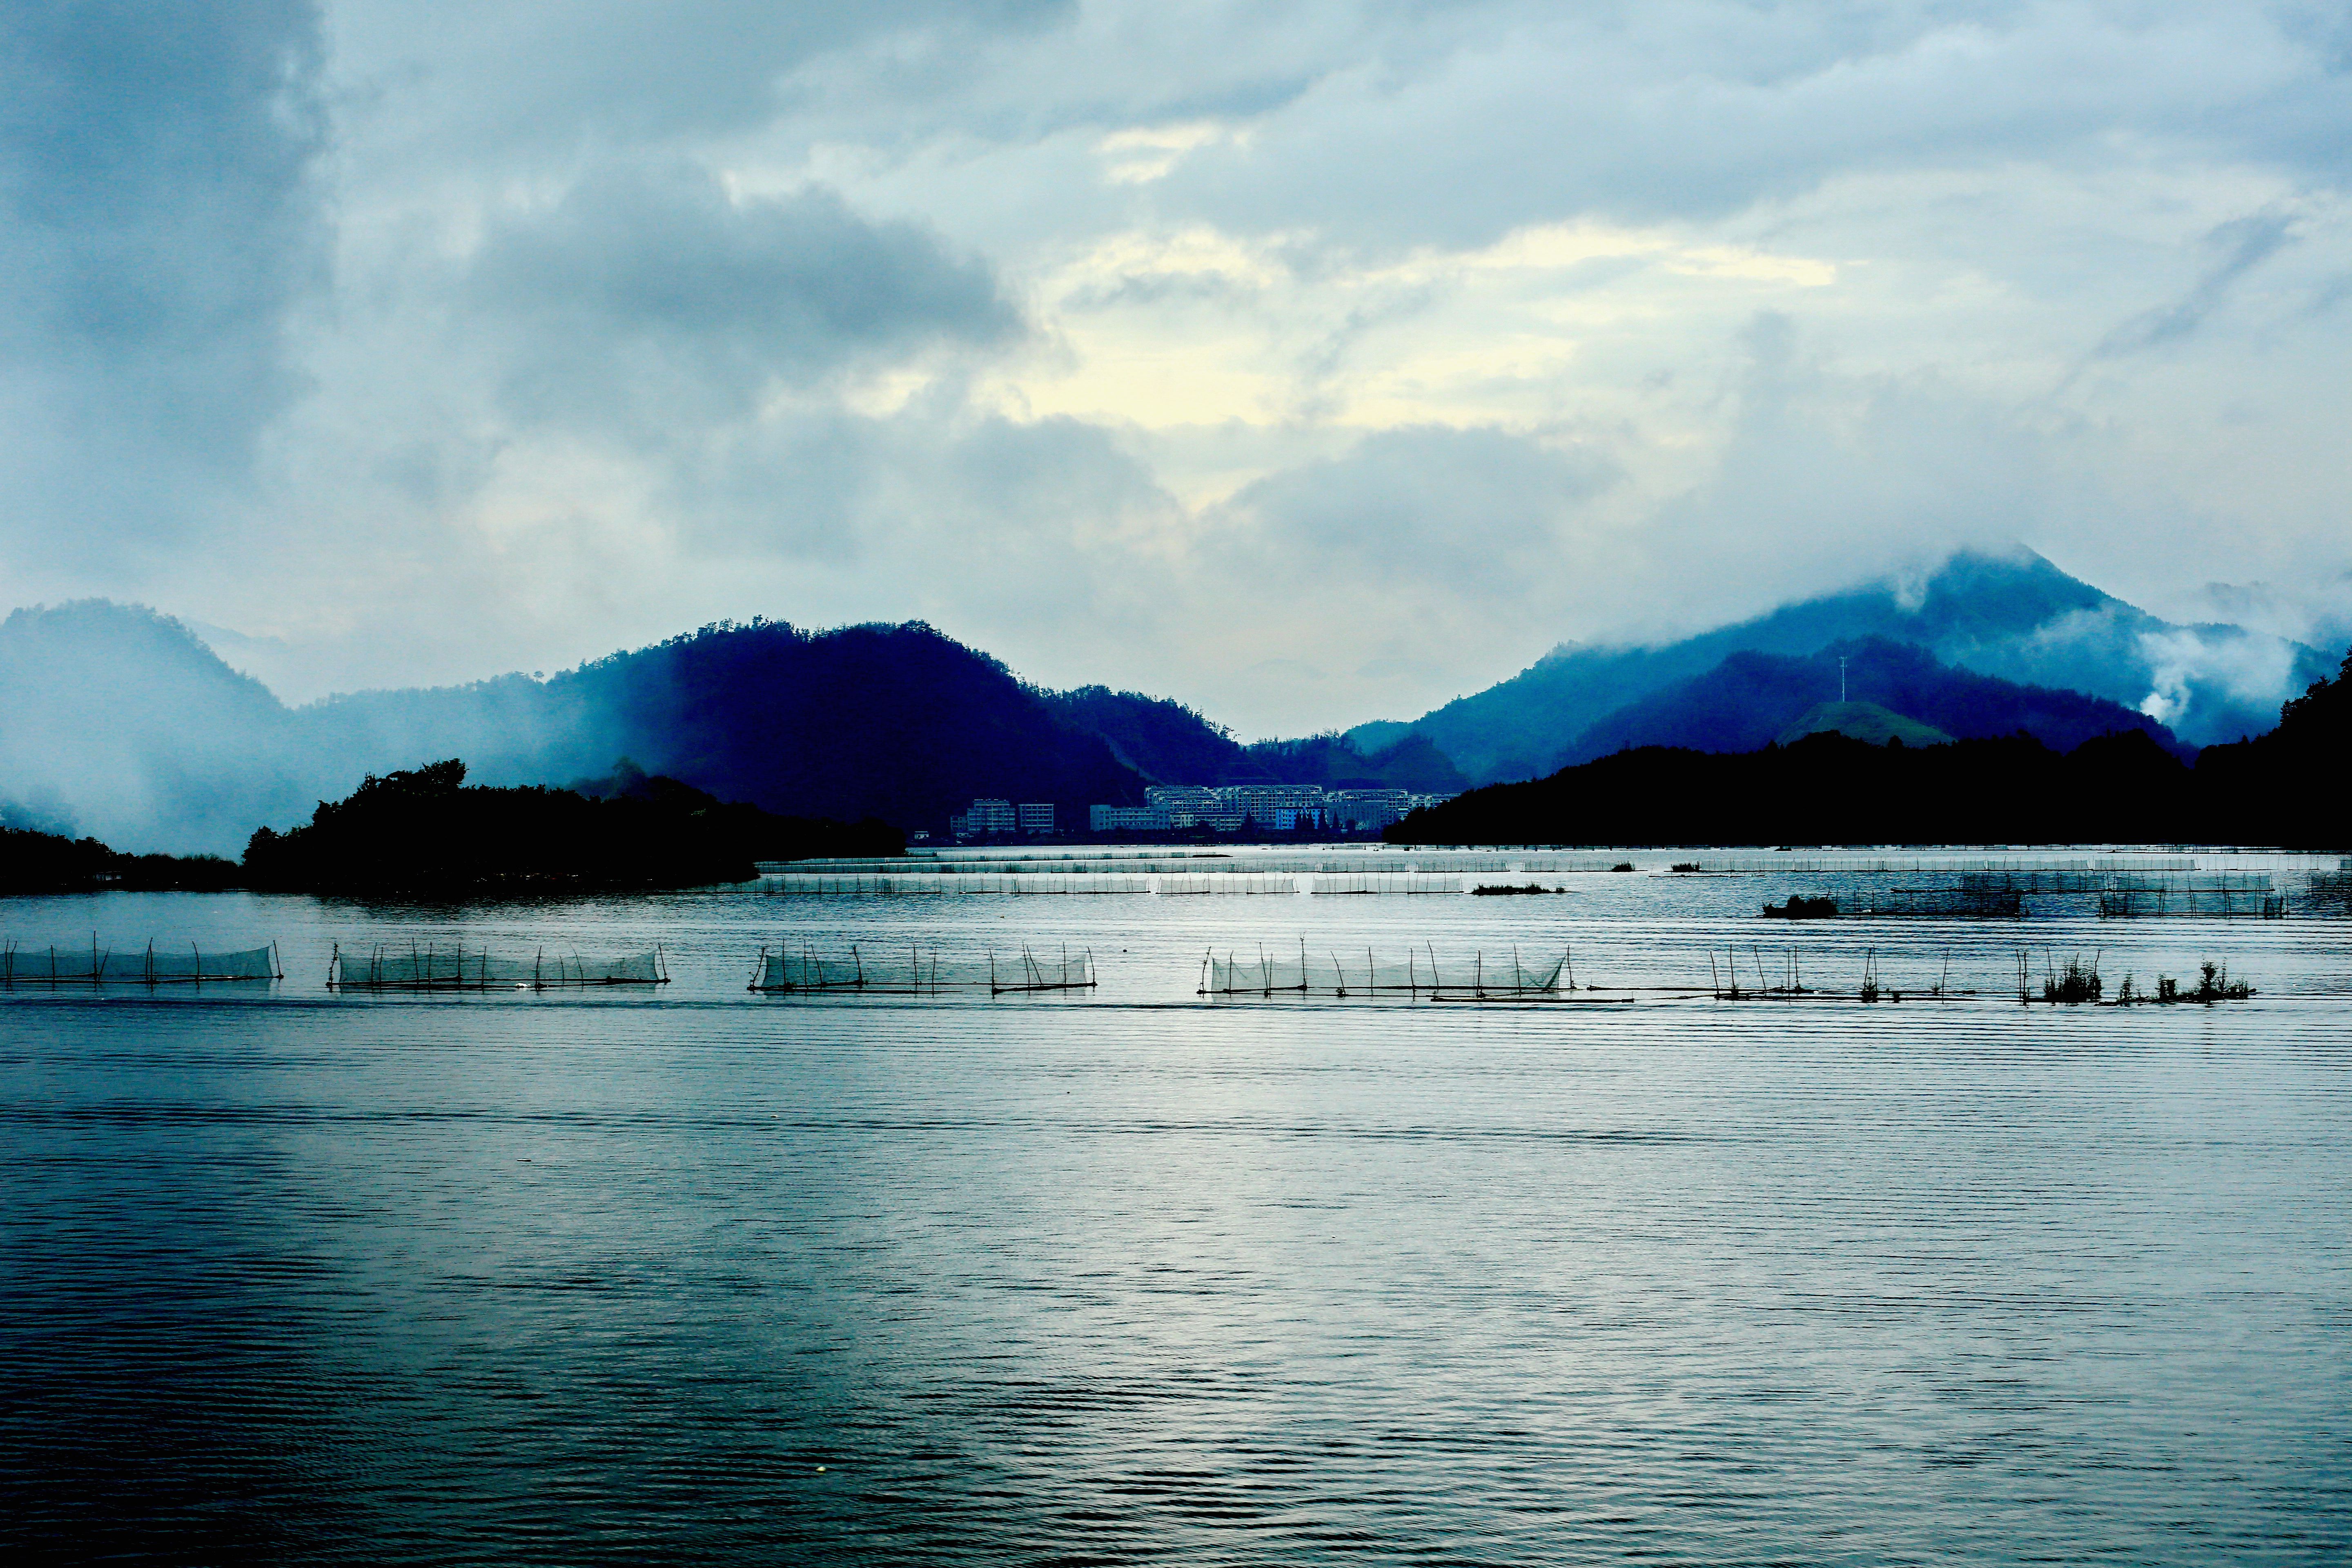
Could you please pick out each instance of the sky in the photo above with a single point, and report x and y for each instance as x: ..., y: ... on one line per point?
x: 1310, y: 363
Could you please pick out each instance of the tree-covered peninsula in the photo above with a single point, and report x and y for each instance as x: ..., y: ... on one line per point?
x: 426, y: 831
x: 36, y: 862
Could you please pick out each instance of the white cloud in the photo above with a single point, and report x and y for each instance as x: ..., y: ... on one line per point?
x: 1310, y: 362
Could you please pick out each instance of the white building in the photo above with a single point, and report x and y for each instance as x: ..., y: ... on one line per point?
x: 1262, y: 801
x: 1275, y: 807
x: 1183, y: 798
x: 1128, y: 819
x: 985, y: 817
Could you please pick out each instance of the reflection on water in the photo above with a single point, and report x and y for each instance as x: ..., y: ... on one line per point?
x: 1132, y: 1275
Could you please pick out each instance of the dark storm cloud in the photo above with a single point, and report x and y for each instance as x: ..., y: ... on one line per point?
x: 156, y: 222
x: 649, y: 294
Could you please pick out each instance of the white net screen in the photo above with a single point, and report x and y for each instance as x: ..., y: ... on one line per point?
x: 437, y: 967
x: 147, y: 965
x: 919, y: 969
x: 1342, y: 974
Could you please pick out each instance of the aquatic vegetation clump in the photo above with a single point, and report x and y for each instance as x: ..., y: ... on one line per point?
x: 2213, y: 984
x: 2076, y: 983
x: 1799, y: 908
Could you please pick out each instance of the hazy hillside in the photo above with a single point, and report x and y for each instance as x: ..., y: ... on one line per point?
x: 2017, y: 617
x: 1168, y: 742
x: 1750, y: 699
x: 2285, y: 787
x: 122, y: 725
x: 1161, y: 739
x: 118, y: 723
x: 1333, y: 761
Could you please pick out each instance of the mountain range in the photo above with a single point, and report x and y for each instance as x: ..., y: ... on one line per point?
x: 1750, y: 699
x: 2015, y: 618
x: 122, y: 723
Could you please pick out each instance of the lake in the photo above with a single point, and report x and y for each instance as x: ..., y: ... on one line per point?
x: 1131, y: 1274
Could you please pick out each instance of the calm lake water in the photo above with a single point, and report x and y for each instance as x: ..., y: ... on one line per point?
x: 1136, y: 1276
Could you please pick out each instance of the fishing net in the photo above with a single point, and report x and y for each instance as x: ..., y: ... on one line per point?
x: 1477, y: 974
x: 2136, y: 902
x: 456, y: 967
x: 915, y: 970
x: 147, y: 966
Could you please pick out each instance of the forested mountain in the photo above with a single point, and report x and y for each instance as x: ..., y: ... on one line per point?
x: 1751, y: 698
x: 1161, y: 739
x: 897, y: 723
x: 2016, y: 616
x: 1331, y: 760
x: 2285, y: 787
x: 122, y: 725
x: 1168, y: 742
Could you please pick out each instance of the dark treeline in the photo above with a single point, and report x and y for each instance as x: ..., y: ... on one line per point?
x: 32, y: 862
x: 428, y: 831
x: 2285, y: 788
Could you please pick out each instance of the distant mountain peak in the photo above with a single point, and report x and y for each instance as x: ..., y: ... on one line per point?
x: 2011, y: 614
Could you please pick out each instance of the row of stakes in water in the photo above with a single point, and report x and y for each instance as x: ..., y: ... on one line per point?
x: 415, y: 966
x: 914, y: 970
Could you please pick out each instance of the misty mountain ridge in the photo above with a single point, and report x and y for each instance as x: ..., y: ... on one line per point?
x: 2284, y: 787
x: 125, y: 725
x: 1167, y: 743
x: 2015, y: 616
x: 1752, y: 699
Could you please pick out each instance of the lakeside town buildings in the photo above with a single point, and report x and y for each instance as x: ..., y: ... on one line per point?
x: 1223, y: 808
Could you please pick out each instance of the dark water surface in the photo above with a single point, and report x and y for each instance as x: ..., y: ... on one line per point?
x: 715, y: 1278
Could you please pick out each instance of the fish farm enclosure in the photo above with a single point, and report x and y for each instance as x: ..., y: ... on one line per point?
x: 1258, y: 1208
x: 1352, y: 926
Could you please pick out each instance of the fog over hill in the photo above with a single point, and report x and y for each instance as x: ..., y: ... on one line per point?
x: 125, y: 726
x: 2015, y: 616
x: 1752, y: 698
x: 122, y: 723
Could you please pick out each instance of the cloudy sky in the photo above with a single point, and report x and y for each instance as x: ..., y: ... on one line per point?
x: 1310, y: 362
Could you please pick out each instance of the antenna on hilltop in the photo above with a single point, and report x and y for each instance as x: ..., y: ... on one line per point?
x: 1841, y: 678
